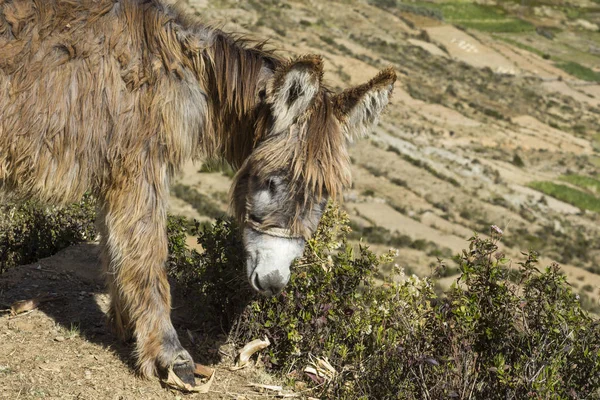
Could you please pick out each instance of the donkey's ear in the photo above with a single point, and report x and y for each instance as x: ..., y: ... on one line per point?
x: 358, y: 108
x: 293, y: 88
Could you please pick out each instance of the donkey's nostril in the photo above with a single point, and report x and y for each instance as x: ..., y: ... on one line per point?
x: 275, y: 282
x: 257, y: 283
x: 270, y: 284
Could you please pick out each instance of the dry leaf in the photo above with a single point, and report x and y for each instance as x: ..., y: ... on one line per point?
x: 175, y: 382
x: 202, y: 370
x: 248, y: 351
x: 22, y: 306
x: 321, y: 368
x: 274, y: 388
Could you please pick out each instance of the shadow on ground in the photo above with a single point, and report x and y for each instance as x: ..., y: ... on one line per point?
x: 75, y: 275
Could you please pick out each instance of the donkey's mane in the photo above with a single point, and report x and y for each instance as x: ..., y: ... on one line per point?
x: 234, y: 70
x: 230, y: 67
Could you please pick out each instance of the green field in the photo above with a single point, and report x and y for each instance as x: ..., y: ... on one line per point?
x: 476, y: 16
x: 579, y: 71
x: 584, y: 182
x: 583, y: 200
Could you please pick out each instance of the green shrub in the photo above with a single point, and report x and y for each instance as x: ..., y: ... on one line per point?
x: 399, y: 182
x: 499, y: 333
x: 327, y: 39
x: 368, y: 193
x: 518, y: 161
x: 30, y: 231
x: 383, y: 3
x: 394, y: 150
x: 217, y: 276
x: 217, y: 166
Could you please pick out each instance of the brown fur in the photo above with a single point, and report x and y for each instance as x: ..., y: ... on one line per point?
x: 113, y: 96
x: 347, y: 100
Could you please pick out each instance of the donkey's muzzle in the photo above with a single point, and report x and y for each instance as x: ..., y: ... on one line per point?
x: 268, y: 260
x: 271, y: 284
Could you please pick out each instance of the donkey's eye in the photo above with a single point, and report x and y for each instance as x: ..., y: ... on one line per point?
x: 256, y: 218
x: 262, y: 95
x: 272, y: 186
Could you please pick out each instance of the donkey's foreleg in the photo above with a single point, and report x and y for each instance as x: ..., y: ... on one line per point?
x: 133, y: 223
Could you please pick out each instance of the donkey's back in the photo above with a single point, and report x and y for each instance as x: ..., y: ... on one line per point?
x: 78, y: 82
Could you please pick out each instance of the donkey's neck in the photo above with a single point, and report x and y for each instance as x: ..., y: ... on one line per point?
x: 230, y: 70
x: 235, y: 71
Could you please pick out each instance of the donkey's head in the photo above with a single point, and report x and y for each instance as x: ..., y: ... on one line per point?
x: 299, y: 160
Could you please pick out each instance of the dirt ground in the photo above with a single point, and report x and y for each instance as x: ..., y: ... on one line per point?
x: 65, y: 350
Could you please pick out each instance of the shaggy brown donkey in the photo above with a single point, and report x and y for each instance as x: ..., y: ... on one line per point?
x: 113, y: 96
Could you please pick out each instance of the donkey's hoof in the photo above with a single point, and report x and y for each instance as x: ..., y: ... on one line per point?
x: 184, y: 369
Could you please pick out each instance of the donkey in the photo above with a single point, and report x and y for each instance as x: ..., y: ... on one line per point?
x: 113, y: 96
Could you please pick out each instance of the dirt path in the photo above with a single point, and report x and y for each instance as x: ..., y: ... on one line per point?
x: 383, y: 215
x: 465, y: 47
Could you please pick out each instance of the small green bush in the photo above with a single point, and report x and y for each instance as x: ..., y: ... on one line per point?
x: 368, y: 193
x: 384, y: 3
x: 399, y: 182
x: 212, y: 166
x: 518, y: 161
x: 30, y: 231
x: 498, y: 333
x: 394, y: 149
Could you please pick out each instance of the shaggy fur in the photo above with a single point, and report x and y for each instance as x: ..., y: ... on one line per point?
x: 113, y: 96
